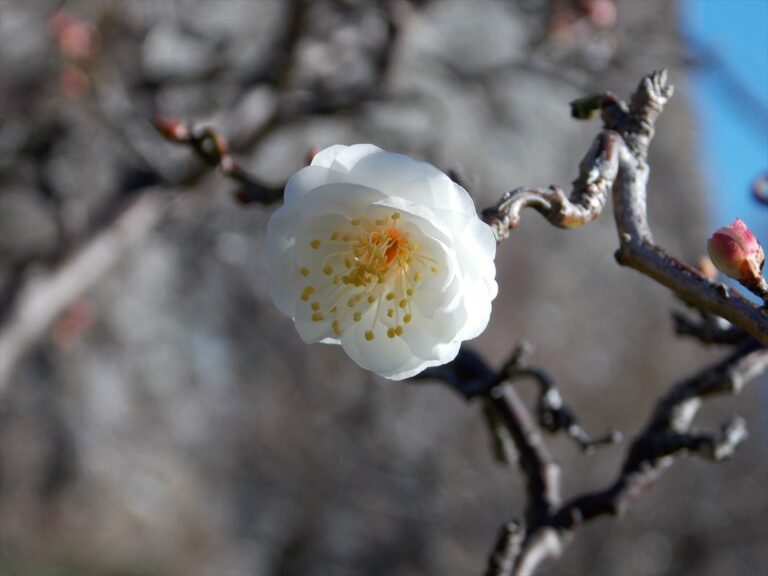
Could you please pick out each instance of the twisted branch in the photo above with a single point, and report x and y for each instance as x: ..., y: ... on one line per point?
x: 549, y: 525
x: 617, y: 162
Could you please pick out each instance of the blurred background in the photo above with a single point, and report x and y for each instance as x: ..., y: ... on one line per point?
x: 159, y: 417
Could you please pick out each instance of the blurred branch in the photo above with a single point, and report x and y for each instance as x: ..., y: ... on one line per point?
x: 709, y: 329
x: 28, y: 306
x: 323, y: 100
x: 760, y: 188
x: 45, y: 297
x: 617, y: 162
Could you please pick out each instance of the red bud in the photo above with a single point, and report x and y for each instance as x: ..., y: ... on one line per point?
x: 172, y: 129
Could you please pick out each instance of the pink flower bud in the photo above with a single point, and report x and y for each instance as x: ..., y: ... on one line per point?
x: 77, y: 40
x: 737, y: 253
x: 172, y: 129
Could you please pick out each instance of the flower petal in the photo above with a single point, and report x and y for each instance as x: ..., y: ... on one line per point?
x: 308, y: 179
x: 418, y: 182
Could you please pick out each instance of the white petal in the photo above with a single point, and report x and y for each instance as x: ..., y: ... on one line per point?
x: 383, y: 355
x: 344, y: 198
x: 280, y: 232
x: 428, y: 223
x: 478, y: 247
x: 326, y: 156
x: 312, y: 332
x: 347, y: 159
x: 477, y: 305
x: 439, y: 291
x: 418, y: 182
x: 429, y: 338
x: 306, y: 180
x: 282, y: 282
x: 448, y: 353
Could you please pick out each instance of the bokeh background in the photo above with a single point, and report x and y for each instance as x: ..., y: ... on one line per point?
x: 170, y: 421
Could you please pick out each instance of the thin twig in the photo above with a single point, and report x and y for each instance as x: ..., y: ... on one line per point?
x: 549, y: 525
x: 46, y: 297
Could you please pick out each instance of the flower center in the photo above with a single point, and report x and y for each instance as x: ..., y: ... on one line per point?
x: 369, y: 264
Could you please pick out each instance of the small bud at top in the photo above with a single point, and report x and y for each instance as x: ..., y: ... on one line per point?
x: 76, y: 39
x: 737, y: 253
x: 172, y: 129
x: 587, y: 107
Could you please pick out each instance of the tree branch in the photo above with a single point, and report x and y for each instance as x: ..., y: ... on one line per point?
x: 549, y: 525
x: 44, y: 298
x: 617, y: 162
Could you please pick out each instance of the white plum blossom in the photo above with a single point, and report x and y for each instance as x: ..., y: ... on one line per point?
x: 384, y: 255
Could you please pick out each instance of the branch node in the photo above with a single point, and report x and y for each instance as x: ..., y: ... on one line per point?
x: 723, y: 290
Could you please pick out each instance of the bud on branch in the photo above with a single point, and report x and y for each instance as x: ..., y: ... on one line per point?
x: 737, y: 253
